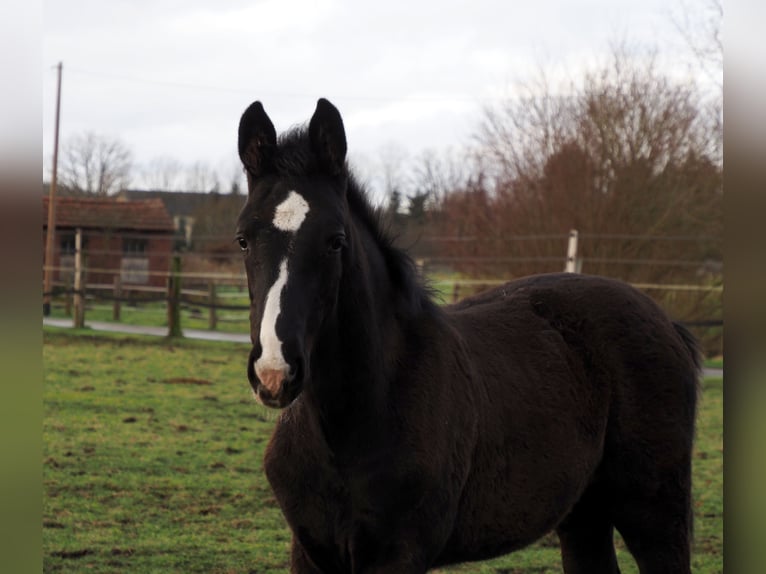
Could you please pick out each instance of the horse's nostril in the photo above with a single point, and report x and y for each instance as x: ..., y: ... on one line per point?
x: 272, y: 379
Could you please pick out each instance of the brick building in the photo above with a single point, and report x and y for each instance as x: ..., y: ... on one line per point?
x: 132, y: 239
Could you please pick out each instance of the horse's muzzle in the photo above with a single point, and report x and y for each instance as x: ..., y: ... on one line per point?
x: 275, y: 388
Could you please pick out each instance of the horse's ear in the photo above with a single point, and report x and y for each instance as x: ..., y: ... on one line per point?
x: 328, y: 137
x: 257, y: 139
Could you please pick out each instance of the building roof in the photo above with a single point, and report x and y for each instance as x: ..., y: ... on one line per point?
x: 109, y: 213
x: 184, y: 203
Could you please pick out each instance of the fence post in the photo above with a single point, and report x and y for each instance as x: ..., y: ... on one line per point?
x: 212, y: 317
x: 117, y: 295
x: 571, y: 264
x: 68, y: 295
x: 79, y: 298
x: 174, y: 298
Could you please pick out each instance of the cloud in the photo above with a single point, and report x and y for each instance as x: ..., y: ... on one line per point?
x: 173, y: 76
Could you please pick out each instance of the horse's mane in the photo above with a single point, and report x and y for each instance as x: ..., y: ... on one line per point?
x: 295, y: 158
x: 416, y: 293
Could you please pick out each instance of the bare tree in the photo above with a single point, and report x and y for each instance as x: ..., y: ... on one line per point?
x: 393, y: 169
x: 627, y: 156
x: 435, y: 174
x: 701, y: 30
x: 163, y: 173
x: 599, y: 157
x: 236, y: 182
x: 95, y: 164
x: 200, y: 177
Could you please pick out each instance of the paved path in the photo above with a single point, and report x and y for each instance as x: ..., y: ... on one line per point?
x: 717, y: 373
x: 206, y: 335
x: 156, y: 331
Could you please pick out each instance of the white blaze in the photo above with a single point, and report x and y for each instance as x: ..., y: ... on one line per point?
x: 291, y: 212
x: 288, y: 216
x: 271, y: 356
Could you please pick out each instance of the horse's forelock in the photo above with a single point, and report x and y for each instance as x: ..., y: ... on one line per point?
x: 295, y: 156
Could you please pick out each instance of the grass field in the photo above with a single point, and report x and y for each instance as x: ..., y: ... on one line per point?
x: 152, y: 463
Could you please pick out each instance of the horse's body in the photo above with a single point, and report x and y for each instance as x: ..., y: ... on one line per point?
x: 415, y: 436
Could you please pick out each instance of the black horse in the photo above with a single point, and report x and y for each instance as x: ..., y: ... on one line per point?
x: 415, y: 435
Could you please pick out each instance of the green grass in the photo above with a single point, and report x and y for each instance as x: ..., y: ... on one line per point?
x: 152, y: 460
x: 152, y: 463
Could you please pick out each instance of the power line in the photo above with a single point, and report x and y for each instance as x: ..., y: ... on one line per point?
x: 290, y: 95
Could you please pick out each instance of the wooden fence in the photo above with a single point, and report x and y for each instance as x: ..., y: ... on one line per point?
x: 200, y: 291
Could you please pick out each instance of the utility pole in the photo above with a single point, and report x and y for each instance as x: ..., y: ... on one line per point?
x: 50, y: 238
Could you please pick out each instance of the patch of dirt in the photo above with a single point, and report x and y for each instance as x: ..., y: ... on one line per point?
x: 243, y: 524
x: 185, y: 381
x: 52, y: 524
x: 122, y: 551
x: 72, y: 553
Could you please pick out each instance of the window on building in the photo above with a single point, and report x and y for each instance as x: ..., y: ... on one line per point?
x: 67, y: 244
x: 134, y: 246
x: 65, y: 271
x: 135, y: 261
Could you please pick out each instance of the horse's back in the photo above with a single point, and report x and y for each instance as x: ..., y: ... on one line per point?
x: 607, y: 323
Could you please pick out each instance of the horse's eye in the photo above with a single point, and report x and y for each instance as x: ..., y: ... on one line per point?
x: 337, y: 243
x: 242, y: 243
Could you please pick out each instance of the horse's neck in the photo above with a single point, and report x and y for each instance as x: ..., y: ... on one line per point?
x: 360, y: 347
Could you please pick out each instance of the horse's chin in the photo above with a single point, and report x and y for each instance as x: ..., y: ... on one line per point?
x: 283, y: 400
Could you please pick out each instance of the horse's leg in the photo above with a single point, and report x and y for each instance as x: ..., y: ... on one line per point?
x: 587, y: 538
x: 657, y: 528
x: 299, y: 562
x: 403, y: 557
x: 650, y: 496
x: 393, y: 564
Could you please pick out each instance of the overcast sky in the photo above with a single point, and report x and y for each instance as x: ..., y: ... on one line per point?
x: 172, y: 77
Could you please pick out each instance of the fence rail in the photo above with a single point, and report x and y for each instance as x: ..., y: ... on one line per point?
x: 213, y: 300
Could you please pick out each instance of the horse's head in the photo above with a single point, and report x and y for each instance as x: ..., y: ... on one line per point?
x: 292, y: 232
